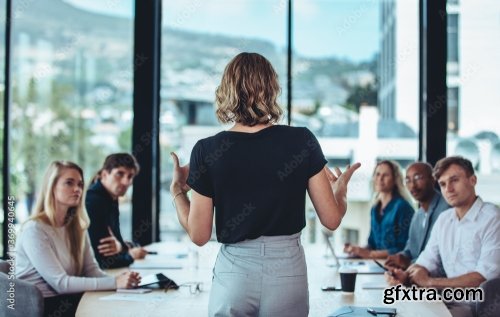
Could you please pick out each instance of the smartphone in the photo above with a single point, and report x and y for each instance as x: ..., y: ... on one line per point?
x: 330, y: 288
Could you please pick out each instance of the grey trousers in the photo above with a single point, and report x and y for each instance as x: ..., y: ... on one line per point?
x: 262, y: 277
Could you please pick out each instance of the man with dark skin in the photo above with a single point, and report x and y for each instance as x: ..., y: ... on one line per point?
x: 420, y: 183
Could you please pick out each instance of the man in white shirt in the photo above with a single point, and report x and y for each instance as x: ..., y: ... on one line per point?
x: 465, y: 239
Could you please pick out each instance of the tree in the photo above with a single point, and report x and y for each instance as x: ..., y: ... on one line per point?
x: 30, y: 145
x: 313, y: 111
x: 359, y: 95
x: 42, y: 133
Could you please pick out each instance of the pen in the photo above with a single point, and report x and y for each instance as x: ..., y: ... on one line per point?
x: 151, y: 252
x: 383, y: 267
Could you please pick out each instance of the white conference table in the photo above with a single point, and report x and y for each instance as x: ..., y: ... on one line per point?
x: 183, y: 303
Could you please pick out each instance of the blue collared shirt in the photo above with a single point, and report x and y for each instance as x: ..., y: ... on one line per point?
x: 389, y: 231
x: 421, y: 226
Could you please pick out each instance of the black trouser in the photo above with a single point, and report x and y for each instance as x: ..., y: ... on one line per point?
x: 62, y: 305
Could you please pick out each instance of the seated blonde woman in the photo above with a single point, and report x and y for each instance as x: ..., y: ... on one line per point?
x: 53, y: 247
x: 391, y: 214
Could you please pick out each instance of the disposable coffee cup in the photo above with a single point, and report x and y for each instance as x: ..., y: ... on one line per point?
x: 348, y: 279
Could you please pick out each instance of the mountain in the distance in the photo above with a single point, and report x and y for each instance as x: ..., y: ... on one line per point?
x: 41, y: 18
x: 188, y: 58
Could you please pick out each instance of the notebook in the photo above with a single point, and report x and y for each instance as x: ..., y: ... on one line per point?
x: 161, y: 264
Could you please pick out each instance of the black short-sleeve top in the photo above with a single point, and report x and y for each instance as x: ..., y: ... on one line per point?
x: 257, y: 180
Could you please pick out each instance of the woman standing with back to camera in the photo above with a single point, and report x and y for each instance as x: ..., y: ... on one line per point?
x: 256, y: 175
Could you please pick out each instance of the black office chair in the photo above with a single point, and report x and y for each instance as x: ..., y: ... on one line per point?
x: 490, y: 307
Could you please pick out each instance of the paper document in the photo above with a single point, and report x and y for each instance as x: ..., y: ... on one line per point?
x: 157, y: 264
x: 151, y: 297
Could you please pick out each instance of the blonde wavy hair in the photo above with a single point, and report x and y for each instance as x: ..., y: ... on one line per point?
x: 248, y: 91
x: 77, y: 220
x: 397, y: 175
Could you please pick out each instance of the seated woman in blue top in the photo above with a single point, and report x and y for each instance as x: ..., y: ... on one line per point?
x: 390, y: 215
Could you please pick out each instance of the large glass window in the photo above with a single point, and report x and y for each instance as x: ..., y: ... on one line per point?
x: 198, y: 39
x: 452, y: 64
x: 355, y: 85
x: 352, y: 62
x: 453, y: 103
x: 473, y: 94
x: 72, y: 84
x: 452, y: 38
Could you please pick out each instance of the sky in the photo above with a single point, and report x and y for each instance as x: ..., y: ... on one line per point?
x: 322, y: 28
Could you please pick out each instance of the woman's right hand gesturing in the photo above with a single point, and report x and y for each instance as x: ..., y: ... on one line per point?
x: 180, y: 176
x: 128, y: 280
x: 339, y: 181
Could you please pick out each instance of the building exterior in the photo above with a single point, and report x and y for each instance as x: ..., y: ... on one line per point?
x: 398, y: 61
x: 472, y: 64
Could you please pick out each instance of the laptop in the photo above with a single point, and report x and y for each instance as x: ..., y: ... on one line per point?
x: 362, y: 266
x: 336, y: 256
x: 326, y: 236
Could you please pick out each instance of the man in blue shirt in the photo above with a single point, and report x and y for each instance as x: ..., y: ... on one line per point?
x: 420, y: 184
